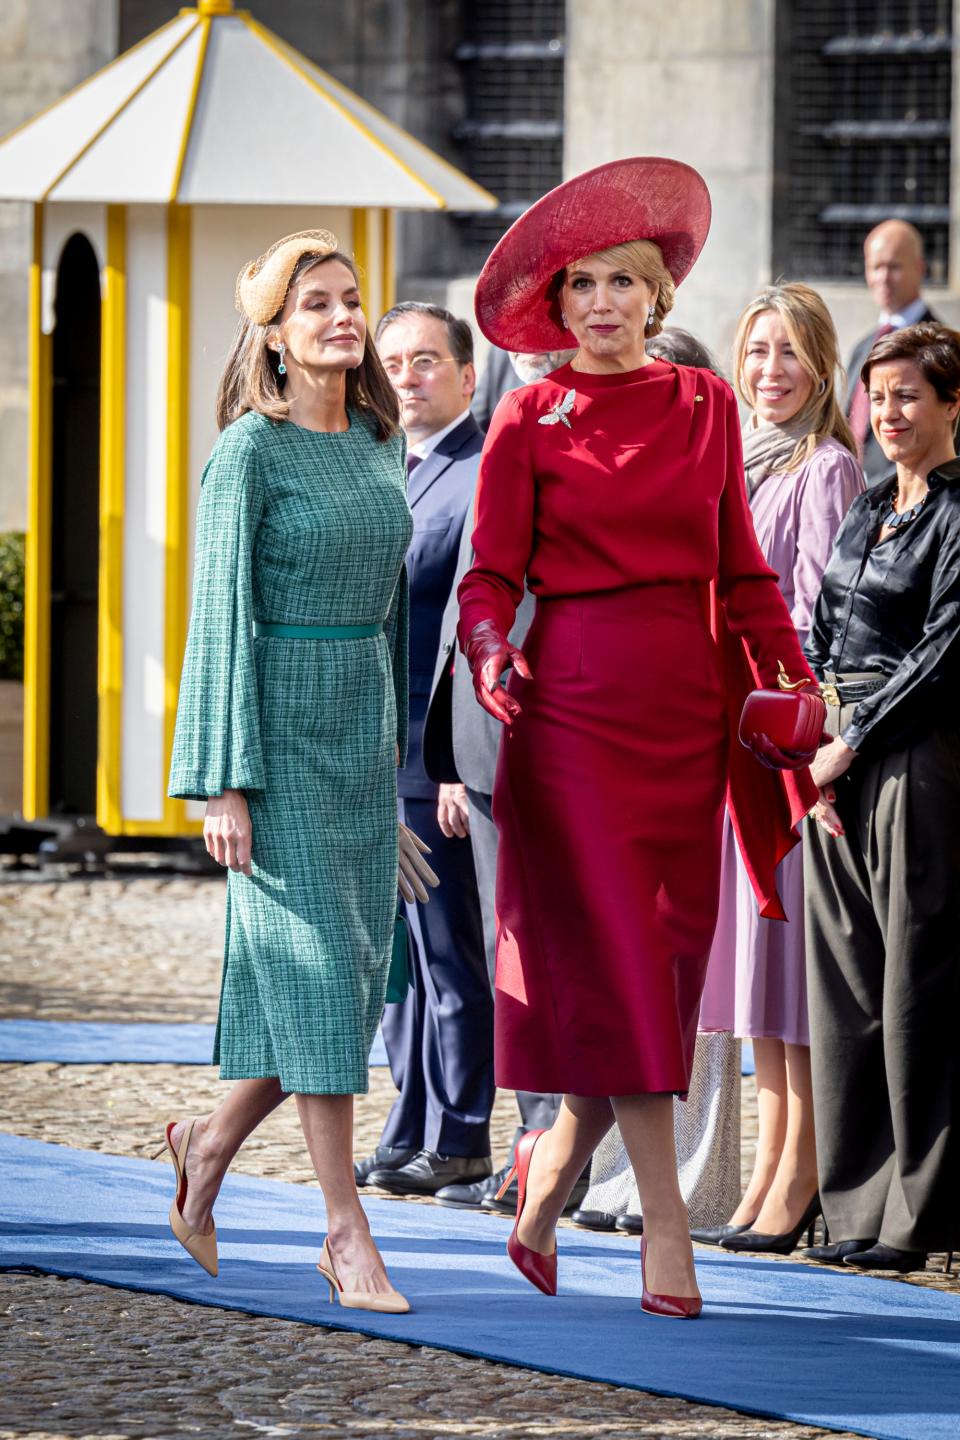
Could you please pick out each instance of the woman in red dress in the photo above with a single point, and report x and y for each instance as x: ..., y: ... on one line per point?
x: 615, y: 486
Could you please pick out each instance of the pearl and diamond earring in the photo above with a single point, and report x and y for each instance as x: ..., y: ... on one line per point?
x: 651, y: 316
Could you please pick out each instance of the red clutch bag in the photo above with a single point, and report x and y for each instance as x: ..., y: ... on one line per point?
x: 792, y: 717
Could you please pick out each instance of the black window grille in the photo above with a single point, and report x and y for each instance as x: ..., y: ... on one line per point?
x: 863, y: 116
x: 511, y: 55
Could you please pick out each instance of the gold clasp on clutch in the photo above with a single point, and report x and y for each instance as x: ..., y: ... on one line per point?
x: 784, y: 681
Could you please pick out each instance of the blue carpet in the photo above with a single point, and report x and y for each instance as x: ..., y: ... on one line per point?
x: 82, y: 1042
x: 779, y: 1339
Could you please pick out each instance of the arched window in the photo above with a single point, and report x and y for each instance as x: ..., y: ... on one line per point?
x: 75, y: 531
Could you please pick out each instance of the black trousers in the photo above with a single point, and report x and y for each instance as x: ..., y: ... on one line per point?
x: 883, y: 981
x: 440, y: 1039
x: 537, y: 1112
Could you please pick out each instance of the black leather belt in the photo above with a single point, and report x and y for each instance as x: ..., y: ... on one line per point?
x: 849, y: 688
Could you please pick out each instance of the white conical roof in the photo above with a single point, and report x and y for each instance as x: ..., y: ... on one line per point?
x: 214, y: 109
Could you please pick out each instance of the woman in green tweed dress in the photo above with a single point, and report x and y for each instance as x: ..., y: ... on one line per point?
x: 291, y: 722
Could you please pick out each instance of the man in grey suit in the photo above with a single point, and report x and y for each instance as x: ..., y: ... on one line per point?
x: 894, y: 268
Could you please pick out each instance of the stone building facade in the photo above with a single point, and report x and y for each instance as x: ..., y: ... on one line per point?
x: 520, y: 92
x: 721, y: 86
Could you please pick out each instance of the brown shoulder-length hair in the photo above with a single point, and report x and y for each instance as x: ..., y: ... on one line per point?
x: 814, y: 339
x: 934, y: 349
x: 250, y: 379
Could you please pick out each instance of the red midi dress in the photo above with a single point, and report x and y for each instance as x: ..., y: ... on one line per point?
x: 611, y: 783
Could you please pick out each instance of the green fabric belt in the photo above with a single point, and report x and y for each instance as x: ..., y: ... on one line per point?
x: 316, y: 632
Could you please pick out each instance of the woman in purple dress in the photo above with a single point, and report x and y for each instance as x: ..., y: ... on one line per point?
x: 802, y: 477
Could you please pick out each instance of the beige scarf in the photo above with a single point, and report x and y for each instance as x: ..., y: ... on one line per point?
x: 767, y: 448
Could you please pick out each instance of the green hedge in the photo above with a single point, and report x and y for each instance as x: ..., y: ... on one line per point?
x: 11, y: 607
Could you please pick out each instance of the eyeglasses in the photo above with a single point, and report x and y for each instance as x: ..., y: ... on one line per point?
x: 420, y: 365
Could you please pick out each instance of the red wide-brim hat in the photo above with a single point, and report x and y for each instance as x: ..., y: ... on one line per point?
x: 643, y: 198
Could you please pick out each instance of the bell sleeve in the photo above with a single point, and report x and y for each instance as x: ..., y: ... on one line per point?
x: 396, y: 628
x: 748, y: 589
x: 493, y: 587
x: 217, y: 743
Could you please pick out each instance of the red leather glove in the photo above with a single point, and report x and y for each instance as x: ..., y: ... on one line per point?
x: 774, y: 758
x: 783, y: 728
x: 489, y: 654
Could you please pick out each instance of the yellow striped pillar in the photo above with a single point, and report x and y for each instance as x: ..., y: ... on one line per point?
x: 112, y: 491
x: 176, y: 598
x: 388, y: 258
x: 36, y: 657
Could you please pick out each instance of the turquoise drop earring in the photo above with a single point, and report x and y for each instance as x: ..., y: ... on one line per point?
x: 281, y: 351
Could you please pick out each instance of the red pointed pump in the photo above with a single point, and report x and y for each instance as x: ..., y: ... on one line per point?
x: 540, y: 1270
x: 675, y: 1307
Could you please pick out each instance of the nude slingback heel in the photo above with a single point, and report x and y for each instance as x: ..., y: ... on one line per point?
x: 394, y: 1304
x: 202, y: 1248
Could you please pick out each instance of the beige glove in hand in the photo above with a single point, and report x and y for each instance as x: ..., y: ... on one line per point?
x: 413, y: 868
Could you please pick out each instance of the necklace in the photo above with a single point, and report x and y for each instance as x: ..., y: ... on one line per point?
x: 895, y: 519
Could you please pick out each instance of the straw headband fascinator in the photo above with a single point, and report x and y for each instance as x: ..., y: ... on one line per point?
x: 642, y: 198
x: 263, y: 284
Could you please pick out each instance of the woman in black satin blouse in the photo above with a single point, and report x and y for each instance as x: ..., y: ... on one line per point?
x: 882, y: 865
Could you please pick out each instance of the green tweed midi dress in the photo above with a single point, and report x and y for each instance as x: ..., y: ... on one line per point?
x: 300, y: 528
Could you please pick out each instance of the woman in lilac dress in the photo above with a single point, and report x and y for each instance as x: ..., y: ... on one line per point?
x: 802, y: 477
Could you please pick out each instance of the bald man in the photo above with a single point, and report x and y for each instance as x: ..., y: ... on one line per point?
x: 894, y: 268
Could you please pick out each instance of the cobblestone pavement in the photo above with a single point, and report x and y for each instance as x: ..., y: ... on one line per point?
x: 147, y: 948
x: 80, y: 1360
x: 84, y: 1361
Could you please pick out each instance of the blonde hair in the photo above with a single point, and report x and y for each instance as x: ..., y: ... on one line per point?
x: 251, y: 378
x: 811, y: 333
x: 644, y: 259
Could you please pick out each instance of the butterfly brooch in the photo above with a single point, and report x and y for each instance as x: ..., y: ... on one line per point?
x: 558, y: 415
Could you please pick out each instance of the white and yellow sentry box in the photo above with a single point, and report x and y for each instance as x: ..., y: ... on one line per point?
x: 152, y: 183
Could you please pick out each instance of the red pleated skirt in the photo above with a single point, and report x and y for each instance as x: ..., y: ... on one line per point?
x: 608, y: 800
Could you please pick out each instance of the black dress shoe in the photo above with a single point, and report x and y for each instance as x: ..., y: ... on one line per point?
x: 428, y: 1172
x: 885, y: 1257
x: 470, y: 1197
x: 835, y: 1254
x: 594, y: 1219
x: 385, y: 1157
x: 761, y: 1244
x: 508, y: 1205
x: 716, y: 1234
x: 630, y: 1224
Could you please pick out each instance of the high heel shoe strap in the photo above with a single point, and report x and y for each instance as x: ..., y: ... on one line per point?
x: 511, y: 1176
x: 326, y: 1267
x: 185, y: 1143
